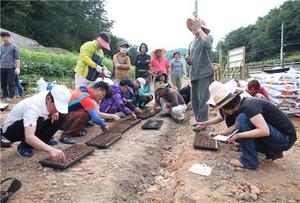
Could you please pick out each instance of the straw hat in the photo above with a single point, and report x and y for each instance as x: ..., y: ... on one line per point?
x: 163, y: 51
x: 222, y: 94
x: 160, y: 85
x: 190, y: 22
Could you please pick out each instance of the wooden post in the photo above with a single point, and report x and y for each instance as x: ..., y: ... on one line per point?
x: 262, y: 66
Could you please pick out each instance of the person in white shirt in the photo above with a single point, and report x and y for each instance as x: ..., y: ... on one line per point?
x: 34, y: 121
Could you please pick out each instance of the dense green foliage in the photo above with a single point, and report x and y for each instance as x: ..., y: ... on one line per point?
x: 262, y: 40
x: 64, y: 24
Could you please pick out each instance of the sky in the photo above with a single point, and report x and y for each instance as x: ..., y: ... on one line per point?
x: 161, y: 23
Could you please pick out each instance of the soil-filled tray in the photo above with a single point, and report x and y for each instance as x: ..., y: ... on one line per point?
x: 73, y: 154
x: 104, y: 140
x: 201, y: 141
x: 152, y: 125
x: 128, y: 121
x: 147, y: 113
x: 119, y: 128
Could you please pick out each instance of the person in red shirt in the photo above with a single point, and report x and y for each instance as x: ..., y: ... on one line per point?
x: 254, y: 88
x: 82, y: 108
x: 159, y: 63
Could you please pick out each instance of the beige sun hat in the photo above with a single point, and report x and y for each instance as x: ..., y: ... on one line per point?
x: 163, y: 51
x: 190, y: 22
x: 222, y: 94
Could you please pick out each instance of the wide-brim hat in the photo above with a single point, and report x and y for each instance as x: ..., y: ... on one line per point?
x: 163, y: 52
x: 222, y: 94
x: 103, y: 43
x: 142, y: 82
x: 190, y: 22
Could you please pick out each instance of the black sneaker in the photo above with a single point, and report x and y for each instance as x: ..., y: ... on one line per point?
x: 67, y: 139
x: 5, y: 143
x: 52, y: 142
x: 24, y: 150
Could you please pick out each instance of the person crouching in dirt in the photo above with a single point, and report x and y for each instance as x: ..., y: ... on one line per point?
x: 119, y: 103
x: 35, y: 120
x: 82, y: 108
x: 143, y: 92
x: 262, y: 127
x: 171, y: 102
x: 214, y: 87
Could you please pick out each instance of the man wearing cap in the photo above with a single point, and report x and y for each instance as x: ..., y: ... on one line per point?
x: 89, y: 65
x: 122, y: 62
x: 82, y: 108
x: 35, y: 120
x: 201, y: 73
x: 262, y: 127
x: 10, y: 66
x: 159, y: 63
x: 120, y: 100
x: 142, y: 62
x: 171, y: 102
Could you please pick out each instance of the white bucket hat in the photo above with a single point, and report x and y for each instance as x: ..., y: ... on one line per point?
x: 61, y: 96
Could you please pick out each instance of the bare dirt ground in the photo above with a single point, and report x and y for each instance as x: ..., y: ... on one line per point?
x: 152, y: 166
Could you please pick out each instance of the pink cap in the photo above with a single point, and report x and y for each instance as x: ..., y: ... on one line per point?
x: 103, y: 43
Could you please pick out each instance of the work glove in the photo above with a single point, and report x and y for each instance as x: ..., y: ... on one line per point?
x: 103, y: 70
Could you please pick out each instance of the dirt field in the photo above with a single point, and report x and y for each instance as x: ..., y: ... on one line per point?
x: 152, y: 166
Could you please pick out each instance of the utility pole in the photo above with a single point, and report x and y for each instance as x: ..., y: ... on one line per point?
x: 281, y: 47
x: 195, y: 14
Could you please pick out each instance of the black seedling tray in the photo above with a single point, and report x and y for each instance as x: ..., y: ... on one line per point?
x: 201, y: 141
x: 104, y: 140
x: 152, y: 125
x: 119, y: 128
x: 147, y: 113
x: 128, y: 121
x: 73, y: 154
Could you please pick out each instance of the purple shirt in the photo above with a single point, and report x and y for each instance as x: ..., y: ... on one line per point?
x: 115, y: 103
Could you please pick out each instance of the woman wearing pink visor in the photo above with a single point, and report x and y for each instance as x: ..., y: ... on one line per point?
x: 89, y: 65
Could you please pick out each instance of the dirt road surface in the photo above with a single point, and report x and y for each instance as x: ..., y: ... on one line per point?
x: 152, y: 166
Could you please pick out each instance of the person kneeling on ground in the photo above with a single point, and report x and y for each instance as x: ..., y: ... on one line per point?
x: 255, y: 90
x: 261, y: 126
x: 82, y: 108
x: 171, y: 102
x: 119, y: 100
x: 35, y: 120
x: 143, y: 91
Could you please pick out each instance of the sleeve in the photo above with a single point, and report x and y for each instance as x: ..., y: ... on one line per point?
x: 88, y: 104
x: 30, y: 117
x: 17, y: 53
x: 137, y: 58
x: 95, y: 118
x: 127, y: 65
x: 85, y: 54
x: 115, y: 59
x: 146, y: 61
x: 208, y: 42
x: 142, y: 93
x: 118, y: 99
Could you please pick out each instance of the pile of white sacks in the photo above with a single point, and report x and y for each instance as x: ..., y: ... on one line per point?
x: 283, y: 89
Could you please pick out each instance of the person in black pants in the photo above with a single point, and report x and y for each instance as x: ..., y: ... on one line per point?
x: 142, y: 62
x: 10, y: 65
x: 34, y: 121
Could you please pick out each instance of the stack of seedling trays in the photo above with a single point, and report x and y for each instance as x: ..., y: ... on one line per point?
x: 146, y: 113
x: 202, y: 141
x: 152, y: 125
x: 104, y: 140
x: 73, y: 154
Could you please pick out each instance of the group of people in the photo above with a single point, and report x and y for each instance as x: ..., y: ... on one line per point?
x: 261, y: 126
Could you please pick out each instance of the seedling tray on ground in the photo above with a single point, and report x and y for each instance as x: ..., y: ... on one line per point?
x: 73, y: 154
x: 152, y: 125
x: 201, y: 141
x: 147, y: 113
x: 128, y: 121
x: 119, y: 128
x: 104, y: 140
